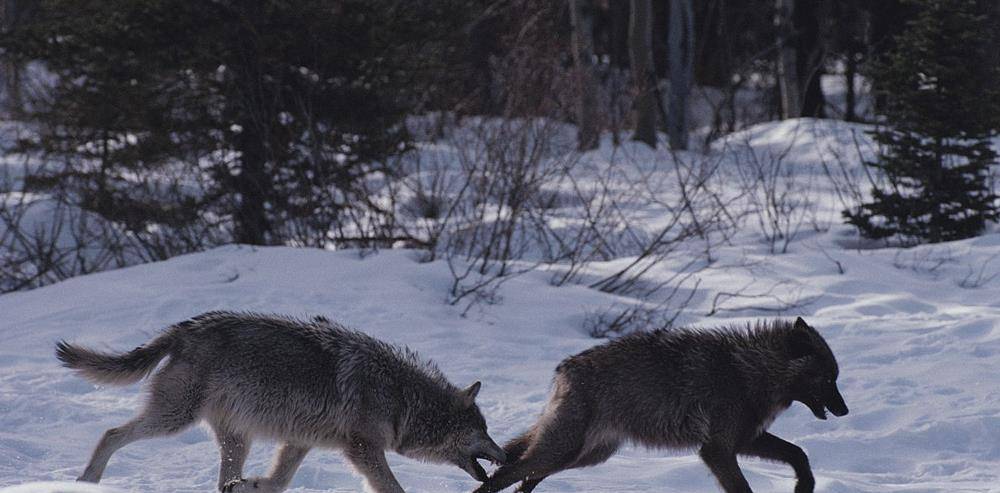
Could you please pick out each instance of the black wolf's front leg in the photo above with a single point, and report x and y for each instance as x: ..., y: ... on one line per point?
x: 768, y: 446
x: 722, y: 461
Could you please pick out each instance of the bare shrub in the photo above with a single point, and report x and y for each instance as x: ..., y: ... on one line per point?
x: 622, y: 318
x: 47, y: 236
x: 662, y: 262
x: 780, y: 197
x: 976, y: 276
x: 844, y: 177
x: 778, y: 297
x: 34, y: 253
x: 925, y: 260
x: 695, y: 215
x: 479, y: 202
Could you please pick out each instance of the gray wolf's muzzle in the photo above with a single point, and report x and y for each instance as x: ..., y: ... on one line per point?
x: 487, y: 451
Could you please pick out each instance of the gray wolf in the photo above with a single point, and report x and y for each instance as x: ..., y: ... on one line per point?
x: 713, y: 390
x: 303, y: 383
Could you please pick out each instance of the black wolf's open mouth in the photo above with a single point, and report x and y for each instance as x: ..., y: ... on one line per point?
x: 817, y: 408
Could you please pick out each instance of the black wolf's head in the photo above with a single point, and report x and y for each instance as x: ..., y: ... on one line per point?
x: 815, y: 381
x: 459, y: 436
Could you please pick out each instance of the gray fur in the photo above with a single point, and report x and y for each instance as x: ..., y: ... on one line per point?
x: 303, y: 383
x: 713, y: 390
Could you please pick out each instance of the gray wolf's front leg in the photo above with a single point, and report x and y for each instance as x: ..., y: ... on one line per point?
x: 285, y: 464
x: 233, y: 449
x: 370, y: 461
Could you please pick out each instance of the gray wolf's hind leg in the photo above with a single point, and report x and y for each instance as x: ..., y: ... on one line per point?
x: 233, y: 449
x: 370, y: 461
x: 116, y: 438
x: 768, y: 446
x: 173, y: 406
x: 113, y: 439
x: 286, y: 462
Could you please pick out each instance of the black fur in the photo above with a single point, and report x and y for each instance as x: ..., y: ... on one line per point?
x: 714, y: 390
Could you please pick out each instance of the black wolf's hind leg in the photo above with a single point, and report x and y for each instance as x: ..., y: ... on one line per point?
x: 555, y: 445
x: 594, y: 456
x: 515, y: 449
x: 768, y: 446
x: 722, y: 461
x: 528, y: 485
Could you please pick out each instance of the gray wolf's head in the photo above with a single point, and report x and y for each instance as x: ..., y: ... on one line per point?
x: 815, y: 379
x: 461, y: 438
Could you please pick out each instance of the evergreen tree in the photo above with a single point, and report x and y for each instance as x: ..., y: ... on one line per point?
x: 939, y: 87
x: 280, y: 111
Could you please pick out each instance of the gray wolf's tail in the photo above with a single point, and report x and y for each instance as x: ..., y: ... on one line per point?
x: 114, y: 369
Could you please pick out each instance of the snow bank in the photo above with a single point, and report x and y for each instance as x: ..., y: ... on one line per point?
x: 58, y: 487
x: 918, y: 357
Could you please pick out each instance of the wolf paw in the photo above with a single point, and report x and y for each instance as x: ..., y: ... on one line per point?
x: 242, y: 485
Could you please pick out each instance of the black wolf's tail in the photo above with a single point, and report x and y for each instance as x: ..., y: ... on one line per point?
x: 115, y: 369
x: 518, y: 446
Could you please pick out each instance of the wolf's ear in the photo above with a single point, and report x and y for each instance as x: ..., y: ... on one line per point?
x: 800, y: 342
x: 801, y: 324
x: 469, y: 394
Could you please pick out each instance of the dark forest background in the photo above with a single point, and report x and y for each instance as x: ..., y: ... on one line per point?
x: 181, y: 125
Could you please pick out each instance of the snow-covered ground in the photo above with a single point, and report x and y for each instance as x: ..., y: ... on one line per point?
x: 916, y: 331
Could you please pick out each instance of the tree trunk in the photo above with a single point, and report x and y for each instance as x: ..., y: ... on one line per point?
x: 810, y: 19
x: 852, y: 24
x: 582, y: 20
x: 11, y: 102
x: 482, y: 45
x: 813, y: 100
x: 251, y: 186
x: 849, y: 98
x: 619, y: 12
x: 680, y: 42
x: 788, y: 78
x: 641, y: 55
x: 254, y: 97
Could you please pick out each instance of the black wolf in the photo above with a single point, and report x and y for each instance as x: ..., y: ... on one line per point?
x: 714, y: 390
x: 305, y: 383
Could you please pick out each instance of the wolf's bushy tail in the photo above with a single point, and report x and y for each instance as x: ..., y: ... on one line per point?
x: 518, y: 446
x: 115, y: 369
